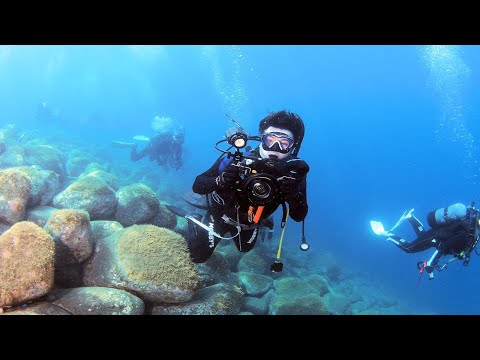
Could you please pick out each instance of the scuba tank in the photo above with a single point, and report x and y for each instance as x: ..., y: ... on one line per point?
x: 447, y: 215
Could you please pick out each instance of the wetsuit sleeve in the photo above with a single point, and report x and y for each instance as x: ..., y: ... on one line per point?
x: 135, y: 156
x: 298, y: 205
x: 205, y: 182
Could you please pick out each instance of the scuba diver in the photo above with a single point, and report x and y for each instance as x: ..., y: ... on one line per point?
x: 243, y: 189
x: 165, y: 148
x: 454, y: 230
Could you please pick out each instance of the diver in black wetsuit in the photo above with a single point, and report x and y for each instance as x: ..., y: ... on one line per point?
x: 231, y: 209
x: 165, y: 148
x: 453, y: 231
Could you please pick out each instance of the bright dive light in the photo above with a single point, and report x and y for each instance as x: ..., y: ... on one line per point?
x: 239, y: 143
x: 236, y: 137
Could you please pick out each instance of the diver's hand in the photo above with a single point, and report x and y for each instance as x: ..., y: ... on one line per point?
x: 288, y: 187
x: 292, y: 167
x: 227, y: 179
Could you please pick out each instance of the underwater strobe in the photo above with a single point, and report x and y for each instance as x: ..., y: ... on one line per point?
x: 236, y: 137
x: 304, y: 245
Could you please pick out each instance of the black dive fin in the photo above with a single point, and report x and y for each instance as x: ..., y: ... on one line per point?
x: 198, y: 206
x: 176, y: 210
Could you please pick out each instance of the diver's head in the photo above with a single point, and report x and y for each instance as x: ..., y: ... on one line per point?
x: 281, y: 134
x: 276, y: 143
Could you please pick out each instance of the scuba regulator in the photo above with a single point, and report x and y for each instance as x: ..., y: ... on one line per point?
x: 258, y: 187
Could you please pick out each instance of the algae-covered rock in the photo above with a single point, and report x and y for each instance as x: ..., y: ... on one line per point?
x: 218, y: 299
x: 45, y: 184
x: 14, y: 194
x: 293, y: 296
x: 137, y: 204
x: 71, y: 231
x: 90, y: 194
x: 27, y: 256
x: 99, y: 301
x: 151, y: 262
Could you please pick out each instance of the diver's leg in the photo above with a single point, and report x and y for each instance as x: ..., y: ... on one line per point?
x: 200, y: 242
x: 246, y: 239
x: 425, y: 241
x: 416, y: 224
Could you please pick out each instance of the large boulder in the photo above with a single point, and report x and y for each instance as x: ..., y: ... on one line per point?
x: 14, y: 194
x: 109, y: 179
x: 218, y: 299
x: 47, y: 157
x: 254, y: 262
x: 293, y: 296
x: 71, y: 231
x: 258, y: 306
x: 255, y: 284
x: 27, y: 258
x: 318, y: 283
x: 45, y: 184
x: 137, y: 204
x: 151, y: 262
x: 90, y: 194
x: 99, y: 301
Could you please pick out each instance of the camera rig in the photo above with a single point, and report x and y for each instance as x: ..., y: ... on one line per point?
x: 258, y: 185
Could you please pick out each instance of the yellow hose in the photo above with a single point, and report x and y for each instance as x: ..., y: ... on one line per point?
x: 281, y: 236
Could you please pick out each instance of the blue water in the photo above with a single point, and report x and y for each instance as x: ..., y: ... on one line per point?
x: 388, y: 128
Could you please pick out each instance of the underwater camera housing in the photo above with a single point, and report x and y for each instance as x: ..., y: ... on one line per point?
x: 257, y: 186
x: 260, y: 188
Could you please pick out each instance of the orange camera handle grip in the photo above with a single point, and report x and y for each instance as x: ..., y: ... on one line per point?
x: 258, y: 214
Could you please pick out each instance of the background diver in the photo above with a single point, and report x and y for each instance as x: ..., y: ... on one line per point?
x: 454, y: 230
x: 165, y: 147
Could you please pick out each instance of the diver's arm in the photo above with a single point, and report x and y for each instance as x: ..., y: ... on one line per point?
x: 298, y: 204
x: 135, y: 156
x: 205, y: 182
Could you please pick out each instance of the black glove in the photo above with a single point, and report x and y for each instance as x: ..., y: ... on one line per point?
x: 288, y: 187
x: 293, y: 167
x: 227, y: 179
